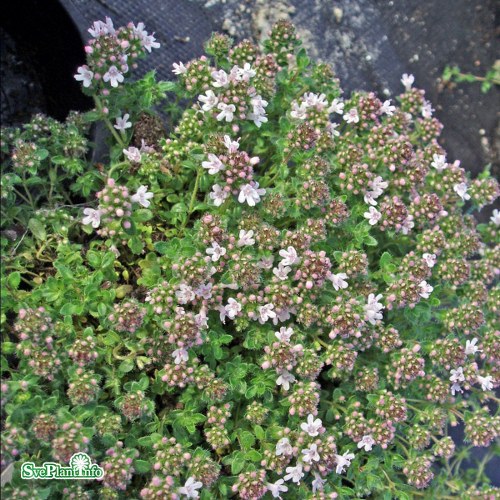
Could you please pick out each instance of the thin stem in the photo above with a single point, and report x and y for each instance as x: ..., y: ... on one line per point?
x: 108, y: 123
x: 321, y: 342
x: 53, y: 171
x: 21, y: 195
x: 481, y: 467
x: 401, y: 440
x: 28, y: 193
x: 20, y: 241
x: 193, y: 199
x: 116, y: 165
x: 480, y: 78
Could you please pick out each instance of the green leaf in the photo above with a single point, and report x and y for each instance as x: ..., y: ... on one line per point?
x: 165, y: 86
x: 247, y: 439
x: 41, y: 154
x: 302, y: 60
x: 8, y: 347
x: 136, y: 245
x: 101, y: 309
x: 58, y: 160
x: 14, y: 279
x: 111, y: 338
x: 237, y: 466
x: 179, y: 208
x: 253, y: 455
x: 143, y: 215
x: 127, y: 365
x: 142, y: 466
x: 370, y: 241
x: 162, y: 247
x: 71, y: 309
x: 38, y: 229
x: 259, y: 432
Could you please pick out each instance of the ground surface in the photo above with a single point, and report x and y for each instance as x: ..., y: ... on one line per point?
x: 370, y: 43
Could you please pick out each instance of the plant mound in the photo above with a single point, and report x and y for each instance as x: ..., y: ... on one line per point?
x: 264, y: 289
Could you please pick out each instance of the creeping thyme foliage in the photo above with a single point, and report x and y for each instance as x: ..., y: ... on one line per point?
x: 276, y: 294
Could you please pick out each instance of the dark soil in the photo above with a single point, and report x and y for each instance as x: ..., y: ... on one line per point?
x: 40, y: 49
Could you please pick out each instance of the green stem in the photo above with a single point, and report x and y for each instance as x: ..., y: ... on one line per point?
x: 21, y: 195
x: 481, y: 467
x: 115, y: 166
x: 193, y: 198
x: 480, y: 78
x: 108, y: 123
x: 28, y: 193
x: 52, y: 174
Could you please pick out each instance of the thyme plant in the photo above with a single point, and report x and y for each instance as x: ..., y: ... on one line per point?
x: 268, y: 289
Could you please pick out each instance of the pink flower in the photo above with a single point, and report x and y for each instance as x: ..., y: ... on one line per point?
x: 180, y: 355
x: 142, y: 196
x: 93, y: 217
x: 122, y: 123
x: 276, y: 488
x: 284, y: 379
x: 281, y: 272
x: 190, y: 488
x: 457, y: 375
x: 232, y: 146
x: 179, y: 68
x: 387, y: 108
x: 133, y: 154
x: 311, y: 454
x: 84, y: 75
x: 283, y: 447
x: 284, y: 334
x: 216, y: 251
x: 373, y: 308
x: 246, y: 238
x: 439, y: 162
x: 486, y: 382
x: 245, y: 73
x: 425, y: 289
x: 113, y: 76
x: 352, y: 116
x: 209, y: 100
x: 427, y: 110
x: 407, y: 80
x: 373, y: 216
x: 338, y: 280
x: 99, y: 28
x: 251, y: 194
x: 266, y: 312
x: 367, y: 442
x: 343, y: 461
x: 290, y: 256
x: 430, y: 259
x: 213, y: 165
x: 221, y: 78
x: 233, y: 308
x: 336, y: 106
x: 312, y: 426
x: 461, y: 190
x: 184, y: 294
x: 218, y: 194
x: 226, y: 112
x: 294, y: 473
x: 495, y: 217
x: 149, y: 42
x: 470, y: 347
x: 298, y: 112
